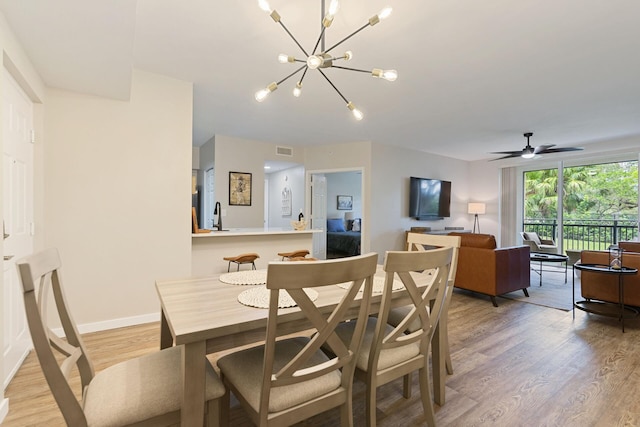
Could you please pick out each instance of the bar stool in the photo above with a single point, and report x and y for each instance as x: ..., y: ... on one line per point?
x: 248, y: 258
x: 294, y: 254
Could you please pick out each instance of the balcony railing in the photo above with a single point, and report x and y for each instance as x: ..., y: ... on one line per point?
x: 585, y: 234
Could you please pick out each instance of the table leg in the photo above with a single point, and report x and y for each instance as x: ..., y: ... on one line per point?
x: 621, y: 298
x: 166, y: 340
x: 565, y: 271
x: 438, y: 366
x: 193, y: 384
x: 540, y: 274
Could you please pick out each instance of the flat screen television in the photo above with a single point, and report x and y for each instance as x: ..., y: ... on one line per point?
x: 429, y: 198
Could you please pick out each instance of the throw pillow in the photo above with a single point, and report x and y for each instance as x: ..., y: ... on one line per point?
x: 356, y: 225
x: 335, y: 225
x: 533, y: 237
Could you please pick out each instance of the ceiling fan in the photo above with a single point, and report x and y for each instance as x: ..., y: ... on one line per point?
x: 529, y: 152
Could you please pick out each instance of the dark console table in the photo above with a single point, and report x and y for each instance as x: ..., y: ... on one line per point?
x: 602, y: 307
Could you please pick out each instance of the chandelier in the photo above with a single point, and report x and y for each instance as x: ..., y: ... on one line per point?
x: 320, y: 58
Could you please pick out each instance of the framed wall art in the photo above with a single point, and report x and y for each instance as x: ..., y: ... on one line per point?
x: 345, y: 203
x: 239, y: 189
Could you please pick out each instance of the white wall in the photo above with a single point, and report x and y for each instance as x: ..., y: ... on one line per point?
x: 293, y: 178
x: 118, y: 179
x: 344, y: 184
x: 390, y: 193
x: 248, y: 156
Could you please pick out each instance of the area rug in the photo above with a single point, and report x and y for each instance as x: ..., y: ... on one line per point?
x: 554, y: 292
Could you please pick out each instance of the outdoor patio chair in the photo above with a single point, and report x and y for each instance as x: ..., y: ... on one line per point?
x: 537, y: 244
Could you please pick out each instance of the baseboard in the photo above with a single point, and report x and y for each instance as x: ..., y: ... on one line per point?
x: 114, y: 323
x: 4, y: 409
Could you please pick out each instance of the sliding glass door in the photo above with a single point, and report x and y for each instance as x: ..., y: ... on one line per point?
x: 598, y: 205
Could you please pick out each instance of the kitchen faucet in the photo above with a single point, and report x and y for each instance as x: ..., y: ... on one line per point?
x: 218, y: 211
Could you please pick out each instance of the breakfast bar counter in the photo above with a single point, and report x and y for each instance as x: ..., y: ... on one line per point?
x: 209, y: 249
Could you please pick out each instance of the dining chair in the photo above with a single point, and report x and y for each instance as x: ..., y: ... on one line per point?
x: 141, y: 391
x: 391, y: 352
x: 286, y: 381
x: 423, y: 242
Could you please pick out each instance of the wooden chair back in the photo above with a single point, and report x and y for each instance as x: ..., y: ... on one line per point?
x: 39, y: 274
x: 423, y: 242
x: 407, y: 266
x: 293, y: 277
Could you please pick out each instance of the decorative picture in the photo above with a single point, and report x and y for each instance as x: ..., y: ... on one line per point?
x: 286, y: 201
x: 345, y: 203
x: 239, y: 189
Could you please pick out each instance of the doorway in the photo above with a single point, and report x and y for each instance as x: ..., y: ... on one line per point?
x: 17, y: 113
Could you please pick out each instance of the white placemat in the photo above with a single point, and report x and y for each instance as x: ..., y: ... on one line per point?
x: 259, y: 297
x: 378, y: 282
x: 245, y: 277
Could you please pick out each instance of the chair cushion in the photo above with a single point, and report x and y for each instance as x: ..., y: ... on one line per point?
x: 243, y: 369
x: 141, y: 388
x: 388, y: 357
x: 533, y: 236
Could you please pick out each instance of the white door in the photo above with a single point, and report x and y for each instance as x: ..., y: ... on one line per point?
x: 319, y: 214
x: 17, y: 113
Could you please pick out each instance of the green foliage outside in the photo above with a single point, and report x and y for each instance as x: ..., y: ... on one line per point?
x: 595, y: 192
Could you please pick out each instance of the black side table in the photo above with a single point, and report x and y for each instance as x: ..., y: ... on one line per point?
x: 599, y: 307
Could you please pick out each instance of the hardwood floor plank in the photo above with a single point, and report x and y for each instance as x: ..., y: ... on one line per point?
x: 515, y: 365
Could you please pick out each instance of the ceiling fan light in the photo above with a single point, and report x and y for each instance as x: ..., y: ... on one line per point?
x: 528, y: 153
x: 356, y: 113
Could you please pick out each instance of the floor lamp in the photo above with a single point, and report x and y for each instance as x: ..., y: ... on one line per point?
x: 476, y: 209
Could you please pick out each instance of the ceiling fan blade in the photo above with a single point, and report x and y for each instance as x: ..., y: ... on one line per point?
x: 507, y: 152
x: 561, y: 150
x: 542, y: 148
x: 513, y: 154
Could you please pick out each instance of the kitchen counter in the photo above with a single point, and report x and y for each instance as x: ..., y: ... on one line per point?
x: 209, y: 249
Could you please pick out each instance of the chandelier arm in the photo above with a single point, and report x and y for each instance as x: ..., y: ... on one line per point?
x: 351, y: 69
x: 320, y: 37
x: 304, y: 73
x: 334, y: 86
x: 291, y: 75
x: 293, y: 38
x: 347, y: 38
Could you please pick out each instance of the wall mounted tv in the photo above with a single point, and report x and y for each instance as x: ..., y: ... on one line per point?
x: 429, y: 198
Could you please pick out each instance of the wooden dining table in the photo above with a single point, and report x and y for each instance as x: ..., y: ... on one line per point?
x: 204, y: 316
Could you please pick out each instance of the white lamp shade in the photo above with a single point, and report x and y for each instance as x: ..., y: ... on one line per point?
x: 477, y: 208
x: 349, y: 215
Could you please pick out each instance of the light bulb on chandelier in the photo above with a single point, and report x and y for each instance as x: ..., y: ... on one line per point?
x: 320, y: 59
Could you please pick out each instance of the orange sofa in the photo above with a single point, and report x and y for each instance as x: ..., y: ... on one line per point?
x: 604, y: 287
x: 484, y: 268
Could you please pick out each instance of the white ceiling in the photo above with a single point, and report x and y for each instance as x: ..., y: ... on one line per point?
x: 473, y: 75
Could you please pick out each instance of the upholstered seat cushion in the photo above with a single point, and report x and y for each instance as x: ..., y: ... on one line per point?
x: 140, y: 389
x: 533, y: 236
x: 388, y: 357
x: 244, y: 370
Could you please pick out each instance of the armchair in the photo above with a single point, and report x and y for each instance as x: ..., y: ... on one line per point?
x: 537, y: 244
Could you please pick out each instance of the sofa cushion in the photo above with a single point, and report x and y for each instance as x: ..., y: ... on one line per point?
x: 630, y: 246
x: 483, y: 241
x: 533, y: 236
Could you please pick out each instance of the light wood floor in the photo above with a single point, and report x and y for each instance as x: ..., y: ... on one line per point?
x: 516, y: 365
